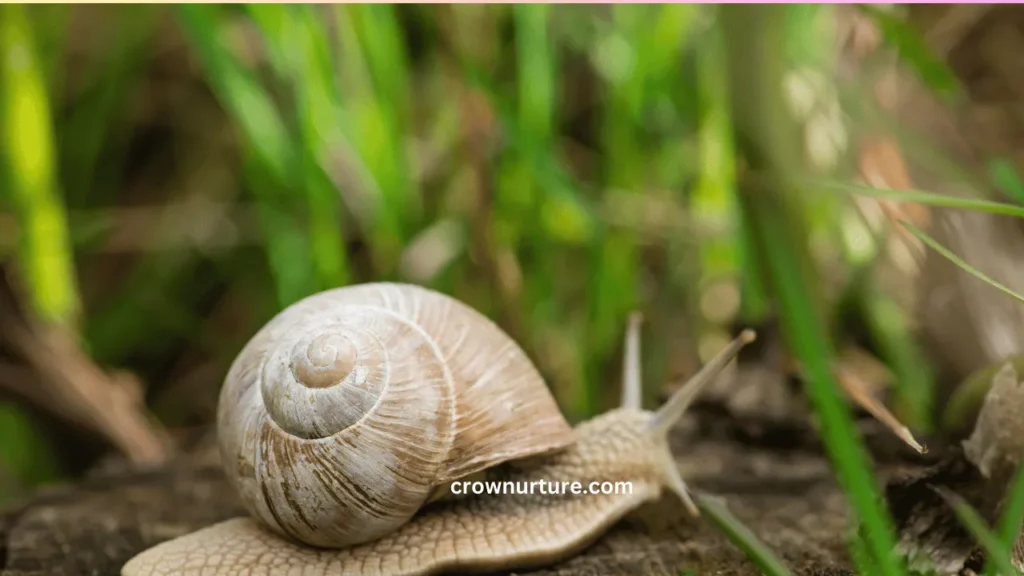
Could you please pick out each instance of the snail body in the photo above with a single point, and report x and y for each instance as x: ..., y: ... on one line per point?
x: 428, y: 530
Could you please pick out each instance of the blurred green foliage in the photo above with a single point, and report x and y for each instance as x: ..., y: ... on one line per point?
x: 30, y: 178
x: 177, y: 175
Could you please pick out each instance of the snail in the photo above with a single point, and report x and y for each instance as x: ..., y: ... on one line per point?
x: 352, y: 424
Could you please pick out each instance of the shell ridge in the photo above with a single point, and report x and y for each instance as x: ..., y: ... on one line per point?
x: 385, y: 361
x: 500, y: 363
x: 449, y: 378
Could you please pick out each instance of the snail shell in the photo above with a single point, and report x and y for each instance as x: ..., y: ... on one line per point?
x: 344, y: 414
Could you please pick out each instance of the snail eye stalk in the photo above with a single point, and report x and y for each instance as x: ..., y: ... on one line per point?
x: 632, y: 387
x: 673, y: 410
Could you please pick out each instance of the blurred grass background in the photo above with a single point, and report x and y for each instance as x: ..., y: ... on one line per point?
x: 174, y: 176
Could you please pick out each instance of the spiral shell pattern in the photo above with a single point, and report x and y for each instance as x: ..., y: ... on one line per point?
x: 344, y: 412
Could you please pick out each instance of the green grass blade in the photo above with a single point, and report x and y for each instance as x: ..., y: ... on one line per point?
x: 998, y: 556
x: 771, y: 208
x: 23, y: 454
x: 945, y: 252
x: 378, y: 117
x: 1004, y: 174
x: 293, y: 278
x: 1009, y: 525
x: 274, y: 22
x: 380, y: 33
x: 536, y: 79
x: 261, y: 124
x: 274, y: 162
x: 808, y: 340
x: 374, y: 122
x: 919, y: 197
x: 523, y: 199
x: 318, y: 110
x: 713, y: 200
x: 28, y: 155
x: 741, y: 536
x: 913, y: 49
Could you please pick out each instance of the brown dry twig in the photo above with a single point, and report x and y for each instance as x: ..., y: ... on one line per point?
x: 857, y: 390
x: 193, y: 223
x: 57, y: 376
